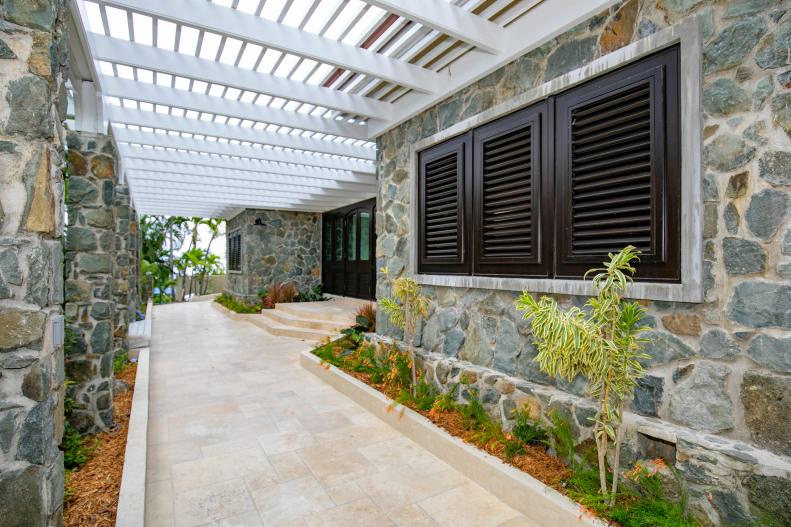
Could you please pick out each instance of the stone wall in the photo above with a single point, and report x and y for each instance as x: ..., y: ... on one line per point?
x: 718, y: 377
x: 286, y: 247
x: 96, y: 321
x: 32, y: 57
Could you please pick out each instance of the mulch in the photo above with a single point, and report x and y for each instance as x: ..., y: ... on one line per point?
x: 92, y: 490
x: 535, y: 461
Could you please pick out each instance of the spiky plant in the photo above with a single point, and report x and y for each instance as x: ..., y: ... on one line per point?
x: 405, y: 307
x: 600, y: 342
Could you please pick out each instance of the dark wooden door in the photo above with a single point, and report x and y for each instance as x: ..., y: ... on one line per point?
x: 348, y: 263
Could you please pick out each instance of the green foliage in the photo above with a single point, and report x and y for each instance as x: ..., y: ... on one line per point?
x: 405, y: 307
x: 235, y: 305
x: 76, y: 448
x: 316, y: 294
x: 561, y: 438
x: 600, y: 342
x: 529, y: 431
x: 120, y: 362
x: 424, y: 398
x: 446, y: 402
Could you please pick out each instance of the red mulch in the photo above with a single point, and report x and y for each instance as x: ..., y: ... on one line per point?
x: 536, y: 461
x: 93, y: 489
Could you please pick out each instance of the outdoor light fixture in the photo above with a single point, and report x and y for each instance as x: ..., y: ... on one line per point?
x: 258, y: 221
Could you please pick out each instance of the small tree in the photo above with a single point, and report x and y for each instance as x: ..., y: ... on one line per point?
x: 405, y: 307
x: 600, y: 342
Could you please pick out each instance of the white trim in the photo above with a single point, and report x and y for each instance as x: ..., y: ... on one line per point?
x: 162, y: 121
x: 136, y: 55
x: 269, y: 34
x: 450, y: 20
x: 266, y: 155
x: 688, y: 34
x: 250, y: 165
x: 200, y: 102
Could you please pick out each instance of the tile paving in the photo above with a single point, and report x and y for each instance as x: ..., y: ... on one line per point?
x: 241, y: 436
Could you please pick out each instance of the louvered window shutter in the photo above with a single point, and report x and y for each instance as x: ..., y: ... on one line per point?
x: 618, y: 169
x: 508, y: 175
x: 445, y: 207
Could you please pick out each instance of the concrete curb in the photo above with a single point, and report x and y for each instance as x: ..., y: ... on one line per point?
x: 132, y: 496
x: 540, y: 503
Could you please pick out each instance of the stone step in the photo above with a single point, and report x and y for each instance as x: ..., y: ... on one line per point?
x: 326, y: 311
x: 281, y: 316
x: 282, y: 330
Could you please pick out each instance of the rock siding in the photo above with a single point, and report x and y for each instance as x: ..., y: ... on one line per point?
x: 284, y: 247
x: 729, y: 352
x: 32, y: 58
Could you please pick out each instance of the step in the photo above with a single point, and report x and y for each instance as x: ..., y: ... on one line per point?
x: 324, y: 311
x: 282, y: 330
x: 280, y: 316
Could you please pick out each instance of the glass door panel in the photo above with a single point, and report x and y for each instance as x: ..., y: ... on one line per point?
x: 365, y: 235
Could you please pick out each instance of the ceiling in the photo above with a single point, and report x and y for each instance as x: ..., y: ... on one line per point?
x: 221, y: 105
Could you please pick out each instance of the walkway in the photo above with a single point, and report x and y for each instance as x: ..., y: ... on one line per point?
x: 240, y: 435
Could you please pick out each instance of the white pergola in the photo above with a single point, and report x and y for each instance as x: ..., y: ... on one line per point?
x: 221, y: 105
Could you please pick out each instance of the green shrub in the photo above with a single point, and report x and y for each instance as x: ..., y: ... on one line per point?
x: 424, y: 398
x: 529, y: 431
x: 76, y: 448
x: 235, y: 305
x: 120, y: 362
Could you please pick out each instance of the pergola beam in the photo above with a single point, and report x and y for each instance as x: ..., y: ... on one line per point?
x: 252, y: 204
x: 186, y: 189
x: 231, y: 196
x: 212, y: 163
x: 175, y: 180
x: 268, y: 156
x: 200, y: 102
x: 268, y: 34
x: 136, y: 55
x: 450, y: 20
x: 239, y: 133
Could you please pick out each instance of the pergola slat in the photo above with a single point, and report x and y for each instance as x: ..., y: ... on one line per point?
x: 249, y: 165
x: 200, y: 102
x: 193, y: 126
x: 162, y: 171
x: 120, y: 51
x: 450, y: 20
x: 269, y: 34
x: 267, y: 155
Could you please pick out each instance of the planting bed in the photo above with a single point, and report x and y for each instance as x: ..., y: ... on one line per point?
x: 92, y: 490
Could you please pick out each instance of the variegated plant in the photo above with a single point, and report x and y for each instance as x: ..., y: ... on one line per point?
x: 600, y: 341
x: 405, y: 306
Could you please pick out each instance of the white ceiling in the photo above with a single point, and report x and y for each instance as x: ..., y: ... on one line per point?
x: 221, y: 105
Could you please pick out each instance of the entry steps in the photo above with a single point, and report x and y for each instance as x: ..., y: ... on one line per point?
x: 311, y: 321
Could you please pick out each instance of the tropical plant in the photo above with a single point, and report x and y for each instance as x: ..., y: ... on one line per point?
x: 405, y: 308
x: 365, y: 317
x: 315, y: 294
x: 600, y: 342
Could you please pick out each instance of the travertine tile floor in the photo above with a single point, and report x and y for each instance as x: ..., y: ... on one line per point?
x: 240, y: 435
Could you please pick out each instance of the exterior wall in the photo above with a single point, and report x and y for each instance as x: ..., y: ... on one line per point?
x: 97, y: 287
x: 31, y: 258
x: 718, y: 378
x: 286, y: 248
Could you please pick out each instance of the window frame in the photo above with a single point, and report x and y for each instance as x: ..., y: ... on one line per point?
x: 687, y: 34
x: 661, y: 74
x: 235, y: 234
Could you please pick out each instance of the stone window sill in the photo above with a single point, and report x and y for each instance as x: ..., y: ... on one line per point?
x: 638, y: 290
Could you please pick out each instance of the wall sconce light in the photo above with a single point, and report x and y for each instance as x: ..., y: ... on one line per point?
x: 258, y: 221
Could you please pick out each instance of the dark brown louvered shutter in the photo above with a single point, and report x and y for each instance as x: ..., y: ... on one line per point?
x: 234, y: 251
x: 618, y: 169
x: 444, y: 207
x: 508, y: 174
